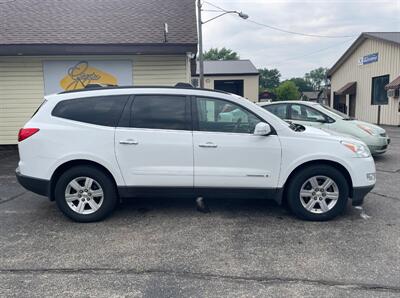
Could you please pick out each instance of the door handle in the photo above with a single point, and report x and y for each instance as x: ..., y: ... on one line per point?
x: 129, y: 142
x: 208, y: 145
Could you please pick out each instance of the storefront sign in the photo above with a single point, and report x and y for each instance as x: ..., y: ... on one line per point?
x: 371, y: 58
x: 72, y: 75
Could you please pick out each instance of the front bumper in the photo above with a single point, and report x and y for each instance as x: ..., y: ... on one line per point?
x: 36, y: 185
x: 358, y: 194
x: 378, y: 145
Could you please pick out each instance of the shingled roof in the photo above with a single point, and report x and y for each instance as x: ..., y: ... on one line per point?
x: 228, y: 67
x: 109, y: 26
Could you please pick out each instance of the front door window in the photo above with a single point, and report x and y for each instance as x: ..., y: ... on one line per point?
x: 223, y: 116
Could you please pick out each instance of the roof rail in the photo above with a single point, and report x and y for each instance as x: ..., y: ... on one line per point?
x: 184, y: 85
x: 93, y: 87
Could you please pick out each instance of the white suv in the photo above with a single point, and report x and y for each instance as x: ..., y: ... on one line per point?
x: 87, y: 149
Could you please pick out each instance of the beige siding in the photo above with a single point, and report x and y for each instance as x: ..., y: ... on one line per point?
x: 22, y: 86
x: 159, y: 70
x: 250, y: 84
x: 21, y: 92
x: 388, y: 63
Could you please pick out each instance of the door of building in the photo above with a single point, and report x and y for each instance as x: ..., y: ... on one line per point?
x: 231, y: 86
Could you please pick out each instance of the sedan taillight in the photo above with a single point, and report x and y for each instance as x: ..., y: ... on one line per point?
x: 25, y: 133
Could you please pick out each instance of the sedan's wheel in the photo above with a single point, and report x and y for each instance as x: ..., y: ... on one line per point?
x: 85, y: 194
x: 317, y: 193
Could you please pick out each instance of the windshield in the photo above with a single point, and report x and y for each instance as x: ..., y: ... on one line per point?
x: 336, y: 112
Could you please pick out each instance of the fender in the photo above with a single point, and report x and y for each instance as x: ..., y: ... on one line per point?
x: 119, y: 180
x: 287, y: 170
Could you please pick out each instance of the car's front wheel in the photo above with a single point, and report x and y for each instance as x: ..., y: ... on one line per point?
x: 318, y: 193
x: 85, y: 194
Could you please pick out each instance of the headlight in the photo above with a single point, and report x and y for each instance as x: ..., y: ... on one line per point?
x: 358, y: 149
x: 368, y: 130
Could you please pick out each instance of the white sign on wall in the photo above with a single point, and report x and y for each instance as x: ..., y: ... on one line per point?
x: 367, y: 59
x: 72, y: 75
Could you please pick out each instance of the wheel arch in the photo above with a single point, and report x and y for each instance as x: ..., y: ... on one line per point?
x: 331, y: 163
x: 73, y: 163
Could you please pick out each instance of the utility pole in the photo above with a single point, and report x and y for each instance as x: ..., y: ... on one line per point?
x: 201, y: 62
x: 200, y: 29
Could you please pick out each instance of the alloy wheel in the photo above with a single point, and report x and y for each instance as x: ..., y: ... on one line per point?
x: 319, y: 194
x: 84, y: 195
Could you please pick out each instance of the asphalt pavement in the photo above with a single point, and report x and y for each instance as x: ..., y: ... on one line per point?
x: 165, y: 248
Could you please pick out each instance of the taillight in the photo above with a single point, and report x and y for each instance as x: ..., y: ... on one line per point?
x: 25, y: 133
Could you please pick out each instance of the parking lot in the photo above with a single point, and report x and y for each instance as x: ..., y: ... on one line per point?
x: 154, y: 248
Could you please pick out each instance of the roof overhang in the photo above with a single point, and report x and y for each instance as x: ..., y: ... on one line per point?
x: 349, y: 88
x: 228, y: 74
x: 351, y: 50
x: 95, y: 49
x: 395, y: 84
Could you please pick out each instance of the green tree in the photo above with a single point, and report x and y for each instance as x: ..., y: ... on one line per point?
x: 220, y: 54
x: 317, y: 78
x: 269, y: 78
x: 302, y: 84
x: 287, y: 91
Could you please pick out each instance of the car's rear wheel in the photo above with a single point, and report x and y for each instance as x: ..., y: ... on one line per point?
x: 85, y: 194
x: 317, y: 193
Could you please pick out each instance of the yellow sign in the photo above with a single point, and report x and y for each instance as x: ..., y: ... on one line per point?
x: 81, y: 75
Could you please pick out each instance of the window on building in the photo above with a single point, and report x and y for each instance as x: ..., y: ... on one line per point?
x: 159, y: 112
x: 379, y: 94
x: 103, y: 110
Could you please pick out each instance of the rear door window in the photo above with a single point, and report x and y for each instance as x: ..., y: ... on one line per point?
x: 160, y: 112
x: 102, y: 110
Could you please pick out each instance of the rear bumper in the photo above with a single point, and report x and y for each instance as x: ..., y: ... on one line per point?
x: 359, y: 193
x: 36, y: 185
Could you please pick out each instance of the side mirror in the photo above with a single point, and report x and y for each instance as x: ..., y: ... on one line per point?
x: 262, y: 129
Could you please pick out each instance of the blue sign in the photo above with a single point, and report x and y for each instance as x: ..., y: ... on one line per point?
x: 371, y: 58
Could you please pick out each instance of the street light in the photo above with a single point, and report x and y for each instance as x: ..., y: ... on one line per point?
x: 200, y: 24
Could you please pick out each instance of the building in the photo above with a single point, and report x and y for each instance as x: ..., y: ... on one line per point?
x: 235, y: 76
x: 359, y: 77
x: 266, y: 96
x: 321, y: 96
x: 53, y: 46
x: 309, y: 95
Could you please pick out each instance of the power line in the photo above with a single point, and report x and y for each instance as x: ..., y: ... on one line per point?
x: 298, y: 33
x: 310, y: 54
x: 284, y: 30
x: 215, y: 6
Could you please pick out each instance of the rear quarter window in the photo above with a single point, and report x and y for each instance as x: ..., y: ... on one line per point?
x: 102, y: 110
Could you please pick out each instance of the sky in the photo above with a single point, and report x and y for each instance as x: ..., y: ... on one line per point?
x: 294, y: 55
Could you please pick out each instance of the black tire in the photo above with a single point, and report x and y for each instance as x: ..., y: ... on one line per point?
x: 296, y: 183
x: 102, y: 179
